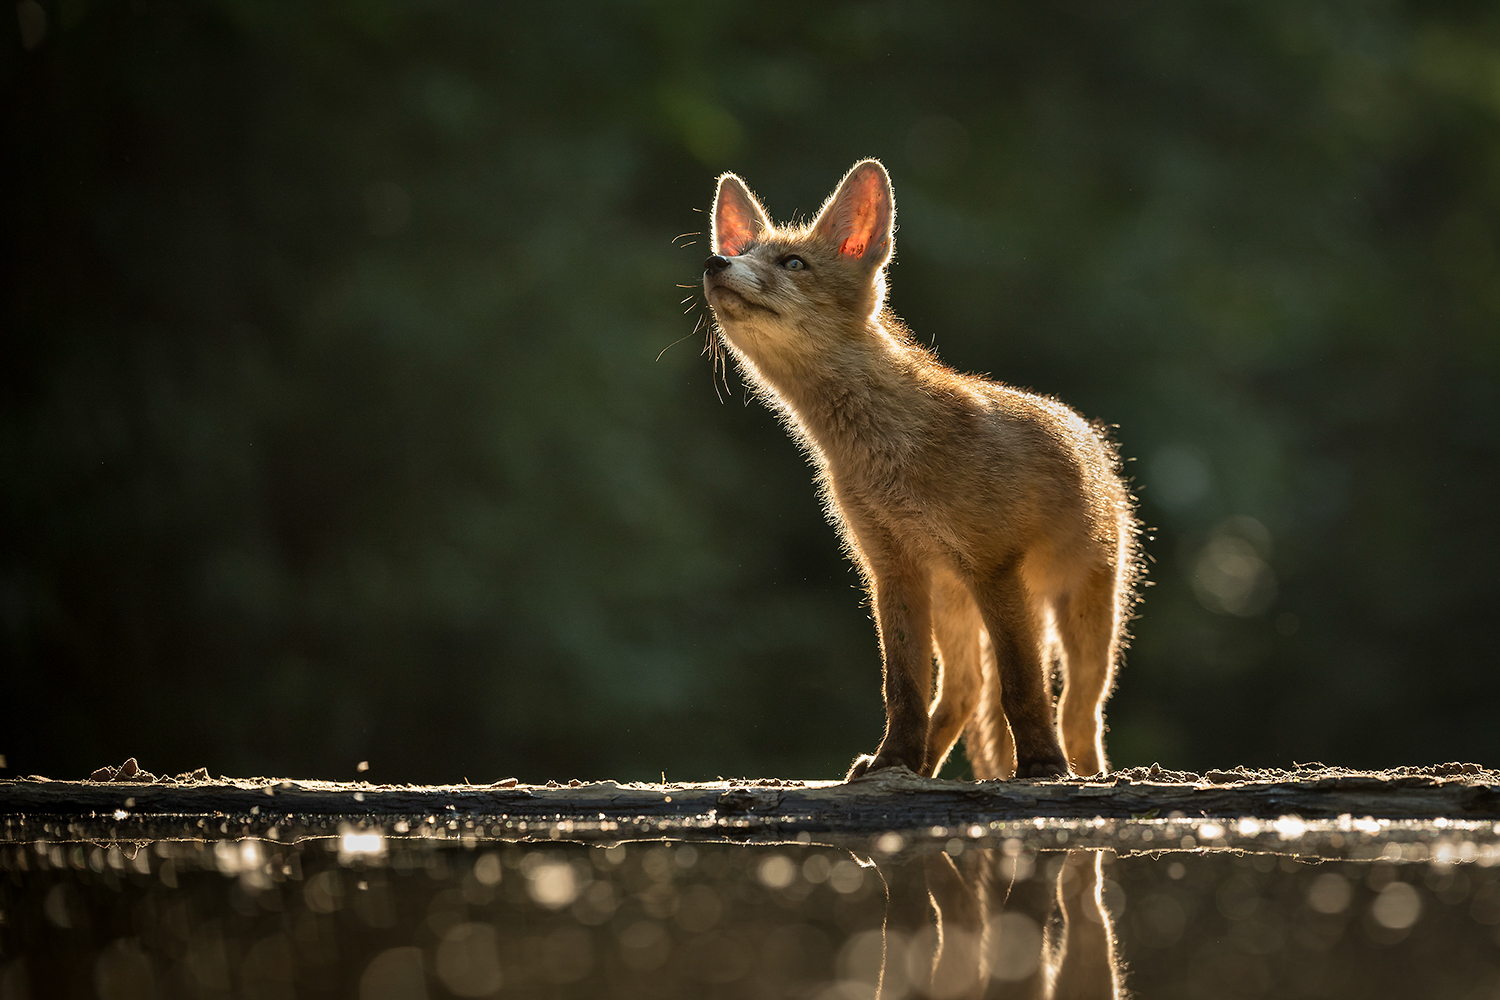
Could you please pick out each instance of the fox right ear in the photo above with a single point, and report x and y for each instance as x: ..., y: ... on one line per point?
x: 860, y: 217
x: 738, y: 217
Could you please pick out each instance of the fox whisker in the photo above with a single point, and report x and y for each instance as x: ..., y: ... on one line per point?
x: 679, y: 340
x: 713, y: 346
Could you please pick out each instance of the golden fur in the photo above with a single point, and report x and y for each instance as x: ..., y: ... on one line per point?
x: 988, y: 522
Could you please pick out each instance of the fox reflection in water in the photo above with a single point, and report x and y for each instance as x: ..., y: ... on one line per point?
x: 978, y: 927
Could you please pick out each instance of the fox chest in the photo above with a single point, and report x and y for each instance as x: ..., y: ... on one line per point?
x: 923, y: 511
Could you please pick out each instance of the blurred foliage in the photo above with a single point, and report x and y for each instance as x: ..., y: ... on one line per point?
x: 334, y: 426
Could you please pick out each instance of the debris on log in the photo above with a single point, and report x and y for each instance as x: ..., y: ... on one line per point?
x: 194, y: 805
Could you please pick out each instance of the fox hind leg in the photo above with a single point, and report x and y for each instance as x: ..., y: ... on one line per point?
x: 987, y: 739
x: 959, y: 633
x: 1088, y: 623
x: 957, y: 629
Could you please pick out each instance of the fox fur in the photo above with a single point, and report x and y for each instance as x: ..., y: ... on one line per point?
x: 990, y: 525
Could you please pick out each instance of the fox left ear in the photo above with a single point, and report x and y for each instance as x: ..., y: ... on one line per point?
x: 738, y: 217
x: 860, y: 217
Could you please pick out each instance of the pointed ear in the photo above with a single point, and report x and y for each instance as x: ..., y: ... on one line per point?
x: 860, y: 217
x: 738, y: 217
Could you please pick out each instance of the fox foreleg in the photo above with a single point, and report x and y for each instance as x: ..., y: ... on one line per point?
x: 903, y: 616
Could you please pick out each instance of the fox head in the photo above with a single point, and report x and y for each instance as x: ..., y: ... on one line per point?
x: 784, y: 294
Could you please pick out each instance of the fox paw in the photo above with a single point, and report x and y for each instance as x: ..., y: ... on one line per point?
x: 867, y: 763
x: 1042, y: 769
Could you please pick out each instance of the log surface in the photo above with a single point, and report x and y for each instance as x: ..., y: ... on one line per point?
x: 743, y: 809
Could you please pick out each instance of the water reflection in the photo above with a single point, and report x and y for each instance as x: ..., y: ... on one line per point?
x: 390, y: 918
x: 989, y: 924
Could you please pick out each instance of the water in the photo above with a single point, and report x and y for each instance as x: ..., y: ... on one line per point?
x: 1013, y: 912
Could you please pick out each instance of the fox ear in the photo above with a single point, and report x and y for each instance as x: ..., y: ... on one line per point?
x: 859, y: 218
x: 738, y: 217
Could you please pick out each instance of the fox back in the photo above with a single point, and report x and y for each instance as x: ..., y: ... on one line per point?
x: 990, y: 525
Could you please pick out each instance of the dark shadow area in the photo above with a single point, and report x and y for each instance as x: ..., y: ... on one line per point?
x: 340, y: 419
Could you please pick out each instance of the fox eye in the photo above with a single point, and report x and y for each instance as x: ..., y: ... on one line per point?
x: 794, y: 264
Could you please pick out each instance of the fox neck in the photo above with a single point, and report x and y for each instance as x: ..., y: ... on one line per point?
x: 852, y: 405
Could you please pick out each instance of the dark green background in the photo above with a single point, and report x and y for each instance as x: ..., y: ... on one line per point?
x: 334, y: 427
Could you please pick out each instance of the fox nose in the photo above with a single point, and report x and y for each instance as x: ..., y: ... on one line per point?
x: 716, y: 263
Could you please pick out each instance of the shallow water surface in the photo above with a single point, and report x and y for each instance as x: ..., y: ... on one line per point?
x: 371, y: 915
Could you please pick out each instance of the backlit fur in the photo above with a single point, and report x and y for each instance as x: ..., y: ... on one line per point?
x: 991, y: 525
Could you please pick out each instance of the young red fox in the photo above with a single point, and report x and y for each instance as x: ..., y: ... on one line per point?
x: 989, y: 521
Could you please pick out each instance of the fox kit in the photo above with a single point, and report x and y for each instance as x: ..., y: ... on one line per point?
x: 988, y: 523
